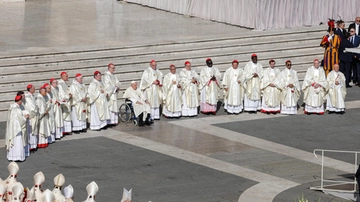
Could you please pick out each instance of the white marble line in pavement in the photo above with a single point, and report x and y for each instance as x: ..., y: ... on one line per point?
x: 204, y: 125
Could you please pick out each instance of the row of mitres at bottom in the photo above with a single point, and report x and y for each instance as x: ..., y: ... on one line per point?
x: 11, y: 190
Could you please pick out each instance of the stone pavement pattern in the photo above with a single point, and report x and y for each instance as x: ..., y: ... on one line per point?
x: 207, y: 158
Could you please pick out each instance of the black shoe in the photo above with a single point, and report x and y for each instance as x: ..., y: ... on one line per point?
x: 348, y: 86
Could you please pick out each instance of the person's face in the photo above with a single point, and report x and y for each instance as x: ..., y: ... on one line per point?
x: 342, y: 25
x: 357, y: 20
x: 235, y: 65
x: 153, y: 65
x: 65, y: 77
x: 331, y: 32
x: 352, y: 32
x: 20, y: 102
x: 54, y: 84
x: 79, y: 79
x: 111, y: 69
x: 272, y: 64
x: 254, y: 59
x: 23, y: 97
x: 188, y: 66
x: 209, y: 63
x: 32, y: 90
x: 316, y: 64
x: 43, y: 92
x: 134, y: 86
x: 48, y: 89
x: 336, y: 67
x: 173, y: 70
x: 288, y: 65
x: 98, y: 77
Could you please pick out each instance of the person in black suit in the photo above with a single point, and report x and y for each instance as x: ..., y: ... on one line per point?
x: 346, y: 58
x: 355, y: 40
x: 340, y: 30
x: 356, y: 26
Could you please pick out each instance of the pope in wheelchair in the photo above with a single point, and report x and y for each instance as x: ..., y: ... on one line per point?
x: 140, y: 106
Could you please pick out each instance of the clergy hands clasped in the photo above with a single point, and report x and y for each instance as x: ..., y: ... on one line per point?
x: 255, y: 75
x: 213, y: 78
x: 102, y: 91
x: 26, y: 116
x: 156, y: 82
x: 139, y: 103
x: 337, y: 82
x: 84, y: 99
x: 272, y: 85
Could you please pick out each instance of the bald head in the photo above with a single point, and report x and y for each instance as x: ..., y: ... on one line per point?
x: 134, y: 85
x: 336, y: 67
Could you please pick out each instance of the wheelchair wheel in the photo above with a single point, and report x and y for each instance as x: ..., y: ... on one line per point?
x: 135, y: 122
x: 125, y: 113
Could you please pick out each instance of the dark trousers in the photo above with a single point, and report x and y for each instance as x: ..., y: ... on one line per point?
x: 345, y: 68
x: 355, y: 71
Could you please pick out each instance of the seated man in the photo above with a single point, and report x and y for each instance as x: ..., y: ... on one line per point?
x: 140, y: 105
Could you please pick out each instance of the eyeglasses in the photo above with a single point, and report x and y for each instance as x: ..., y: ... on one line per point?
x: 357, y: 20
x: 351, y: 31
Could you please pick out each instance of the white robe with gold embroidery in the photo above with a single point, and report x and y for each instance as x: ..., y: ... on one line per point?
x: 99, y: 111
x: 190, y: 96
x: 64, y: 96
x: 58, y: 116
x: 314, y: 97
x: 233, y: 80
x: 336, y: 93
x: 172, y: 95
x: 79, y: 108
x: 32, y: 109
x: 289, y: 96
x: 252, y: 96
x: 271, y: 95
x: 43, y: 124
x: 137, y: 96
x: 209, y: 89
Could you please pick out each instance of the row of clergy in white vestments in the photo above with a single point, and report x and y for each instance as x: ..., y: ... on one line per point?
x: 35, y: 121
x: 12, y: 190
x: 250, y: 89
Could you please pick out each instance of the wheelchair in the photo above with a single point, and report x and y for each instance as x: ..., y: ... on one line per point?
x: 126, y: 113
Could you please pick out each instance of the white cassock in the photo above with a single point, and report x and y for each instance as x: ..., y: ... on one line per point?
x: 172, y: 96
x: 233, y: 80
x: 65, y: 99
x: 336, y: 93
x: 30, y: 106
x: 27, y: 144
x: 79, y: 108
x: 99, y: 108
x: 252, y: 96
x: 314, y: 98
x: 58, y: 116
x: 43, y: 122
x: 209, y: 90
x: 271, y: 95
x: 289, y: 96
x: 111, y: 84
x: 137, y: 96
x: 48, y: 98
x: 152, y: 92
x: 15, y: 136
x: 190, y: 96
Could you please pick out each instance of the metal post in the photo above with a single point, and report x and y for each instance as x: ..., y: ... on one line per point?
x: 322, y: 169
x: 355, y: 171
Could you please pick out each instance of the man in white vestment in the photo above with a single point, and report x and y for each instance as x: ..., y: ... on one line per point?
x: 15, y: 136
x: 11, y: 180
x: 209, y: 88
x: 58, y: 116
x: 49, y: 100
x: 140, y: 104
x: 98, y: 99
x: 69, y: 193
x: 253, y: 72
x: 91, y: 190
x: 43, y: 120
x: 270, y: 91
x: 23, y: 110
x: 59, y: 181
x: 290, y: 89
x: 314, y: 88
x: 190, y: 84
x: 172, y: 94
x: 336, y: 91
x: 39, y: 179
x: 65, y: 98
x: 233, y: 83
x: 151, y: 85
x: 79, y: 104
x: 32, y: 109
x: 112, y: 86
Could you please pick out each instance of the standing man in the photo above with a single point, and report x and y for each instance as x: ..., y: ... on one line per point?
x: 233, y: 83
x: 30, y: 106
x: 43, y: 123
x: 331, y: 43
x: 253, y: 73
x: 99, y: 108
x: 172, y: 94
x: 356, y: 26
x: 336, y: 91
x: 270, y: 91
x: 140, y: 104
x: 50, y: 103
x: 190, y: 83
x: 340, y: 30
x: 58, y: 116
x: 209, y: 94
x: 346, y: 59
x: 15, y: 136
x: 355, y: 40
x: 65, y: 98
x: 314, y: 88
x: 288, y: 82
x: 79, y: 104
x: 112, y: 86
x: 151, y: 83
x: 23, y: 110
